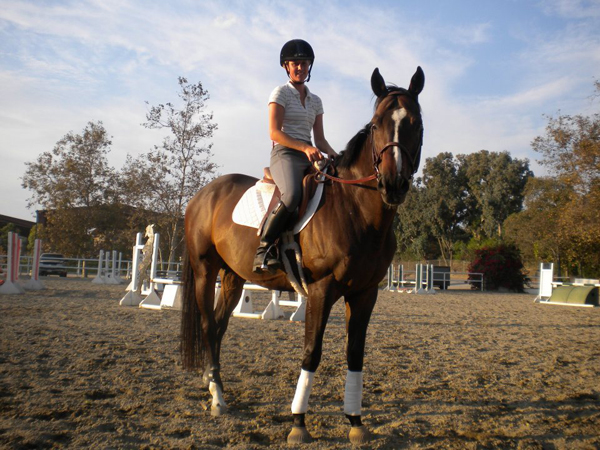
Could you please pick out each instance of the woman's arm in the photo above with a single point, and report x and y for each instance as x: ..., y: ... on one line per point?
x: 276, y: 112
x: 320, y: 140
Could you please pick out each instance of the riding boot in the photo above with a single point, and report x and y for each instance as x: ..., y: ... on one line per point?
x: 266, y: 253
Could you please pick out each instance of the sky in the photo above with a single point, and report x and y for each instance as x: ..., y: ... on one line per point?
x: 494, y: 70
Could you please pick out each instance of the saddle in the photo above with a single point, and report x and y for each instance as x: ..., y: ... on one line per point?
x: 310, y: 182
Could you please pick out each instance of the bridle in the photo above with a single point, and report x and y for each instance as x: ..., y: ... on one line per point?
x: 377, y: 155
x: 377, y: 158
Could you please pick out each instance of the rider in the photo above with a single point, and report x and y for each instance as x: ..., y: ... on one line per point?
x: 294, y: 112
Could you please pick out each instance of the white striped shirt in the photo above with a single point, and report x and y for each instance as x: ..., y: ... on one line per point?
x: 298, y: 120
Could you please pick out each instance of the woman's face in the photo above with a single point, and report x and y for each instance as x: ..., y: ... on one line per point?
x: 298, y: 70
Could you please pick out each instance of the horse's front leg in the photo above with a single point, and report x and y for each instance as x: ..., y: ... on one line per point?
x: 318, y: 309
x: 358, y: 313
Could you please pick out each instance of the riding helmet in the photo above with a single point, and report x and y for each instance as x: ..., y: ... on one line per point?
x: 296, y: 50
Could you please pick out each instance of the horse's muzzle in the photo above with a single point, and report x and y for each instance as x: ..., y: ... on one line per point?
x: 393, y: 192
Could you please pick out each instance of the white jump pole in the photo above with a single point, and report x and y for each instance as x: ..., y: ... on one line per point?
x: 245, y: 307
x: 11, y: 284
x: 119, y: 262
x: 111, y: 277
x: 34, y: 283
x: 424, y: 276
x: 152, y: 301
x: 546, y: 278
x: 106, y: 274
x: 132, y: 298
x: 99, y: 279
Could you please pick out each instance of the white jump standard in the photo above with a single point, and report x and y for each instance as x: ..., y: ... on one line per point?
x: 11, y: 284
x: 582, y: 292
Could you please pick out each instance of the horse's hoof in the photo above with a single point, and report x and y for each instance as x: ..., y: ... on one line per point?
x: 359, y: 435
x: 218, y: 410
x: 299, y: 435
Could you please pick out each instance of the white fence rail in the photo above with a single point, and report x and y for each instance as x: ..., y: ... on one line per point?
x: 443, y: 278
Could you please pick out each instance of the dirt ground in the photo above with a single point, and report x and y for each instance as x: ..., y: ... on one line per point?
x: 456, y: 370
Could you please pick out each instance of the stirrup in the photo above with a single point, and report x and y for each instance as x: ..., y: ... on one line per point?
x: 271, y: 255
x: 265, y: 254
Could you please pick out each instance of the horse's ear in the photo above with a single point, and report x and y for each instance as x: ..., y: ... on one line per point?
x: 378, y: 84
x: 417, y: 82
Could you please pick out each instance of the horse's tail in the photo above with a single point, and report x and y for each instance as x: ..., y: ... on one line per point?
x: 192, y: 348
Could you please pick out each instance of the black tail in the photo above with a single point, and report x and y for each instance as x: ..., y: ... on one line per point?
x: 192, y: 350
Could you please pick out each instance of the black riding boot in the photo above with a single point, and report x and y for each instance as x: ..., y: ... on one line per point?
x: 266, y: 253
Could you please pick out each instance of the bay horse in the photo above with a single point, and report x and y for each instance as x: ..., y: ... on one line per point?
x: 347, y: 248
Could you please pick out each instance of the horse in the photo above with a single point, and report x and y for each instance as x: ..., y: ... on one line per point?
x: 347, y: 248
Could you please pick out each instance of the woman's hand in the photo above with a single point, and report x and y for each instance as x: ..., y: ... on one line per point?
x: 331, y: 153
x: 312, y: 153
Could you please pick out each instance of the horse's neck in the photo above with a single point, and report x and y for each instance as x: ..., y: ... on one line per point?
x: 364, y: 199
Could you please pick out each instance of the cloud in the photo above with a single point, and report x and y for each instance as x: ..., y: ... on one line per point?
x: 470, y: 35
x: 65, y: 63
x: 572, y: 9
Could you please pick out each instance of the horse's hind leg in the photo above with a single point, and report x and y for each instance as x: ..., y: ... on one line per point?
x: 206, y: 268
x: 232, y: 286
x: 215, y: 326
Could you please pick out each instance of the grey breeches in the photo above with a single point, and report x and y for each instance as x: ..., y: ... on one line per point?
x: 287, y: 169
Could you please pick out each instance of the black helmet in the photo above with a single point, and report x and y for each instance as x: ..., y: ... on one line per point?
x: 296, y: 50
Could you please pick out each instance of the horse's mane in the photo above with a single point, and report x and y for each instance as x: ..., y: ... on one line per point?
x: 347, y: 157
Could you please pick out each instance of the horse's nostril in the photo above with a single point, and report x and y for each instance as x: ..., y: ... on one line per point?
x: 404, y: 186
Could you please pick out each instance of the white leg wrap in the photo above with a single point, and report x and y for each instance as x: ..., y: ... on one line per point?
x: 217, y: 395
x: 353, y: 393
x: 305, y: 382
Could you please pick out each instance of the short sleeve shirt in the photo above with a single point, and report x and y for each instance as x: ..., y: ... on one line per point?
x: 298, y: 120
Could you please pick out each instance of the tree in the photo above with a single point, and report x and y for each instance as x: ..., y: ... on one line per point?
x: 536, y: 229
x: 570, y: 149
x: 167, y: 177
x: 70, y: 183
x: 413, y: 236
x: 75, y: 173
x: 494, y: 185
x: 444, y: 202
x: 8, y: 228
x: 459, y: 199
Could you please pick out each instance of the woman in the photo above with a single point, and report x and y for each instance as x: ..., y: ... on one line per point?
x: 294, y: 112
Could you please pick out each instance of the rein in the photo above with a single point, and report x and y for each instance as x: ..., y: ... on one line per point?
x: 376, y: 161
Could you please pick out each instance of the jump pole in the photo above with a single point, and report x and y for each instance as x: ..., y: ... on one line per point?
x: 152, y: 300
x: 112, y: 277
x: 99, y: 278
x: 424, y: 276
x: 171, y: 293
x: 34, y: 284
x: 132, y: 298
x: 11, y: 285
x: 245, y: 307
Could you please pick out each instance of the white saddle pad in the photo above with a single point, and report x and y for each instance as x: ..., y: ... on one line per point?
x: 253, y: 205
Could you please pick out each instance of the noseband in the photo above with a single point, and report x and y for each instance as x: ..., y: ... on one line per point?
x: 378, y: 155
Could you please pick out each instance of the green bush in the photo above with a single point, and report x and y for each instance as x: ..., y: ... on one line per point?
x: 501, y: 267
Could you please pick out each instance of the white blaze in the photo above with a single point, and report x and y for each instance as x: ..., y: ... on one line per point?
x: 397, y: 116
